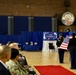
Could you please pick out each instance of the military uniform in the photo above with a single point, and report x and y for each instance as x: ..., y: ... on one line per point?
x: 60, y: 51
x: 16, y: 68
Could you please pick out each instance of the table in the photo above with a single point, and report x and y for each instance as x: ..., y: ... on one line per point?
x: 31, y: 47
x: 46, y: 45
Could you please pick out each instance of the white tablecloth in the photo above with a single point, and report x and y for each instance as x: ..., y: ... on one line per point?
x: 46, y: 45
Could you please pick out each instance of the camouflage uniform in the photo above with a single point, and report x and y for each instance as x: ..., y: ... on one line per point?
x: 16, y: 68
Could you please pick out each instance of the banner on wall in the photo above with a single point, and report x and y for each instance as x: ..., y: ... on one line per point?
x: 49, y: 35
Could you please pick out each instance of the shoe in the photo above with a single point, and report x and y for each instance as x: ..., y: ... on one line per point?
x: 72, y: 68
x: 61, y: 62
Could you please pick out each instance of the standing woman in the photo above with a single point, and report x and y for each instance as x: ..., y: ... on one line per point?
x: 60, y: 51
x: 72, y: 50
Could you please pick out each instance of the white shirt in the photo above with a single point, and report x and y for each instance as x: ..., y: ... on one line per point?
x: 3, y: 64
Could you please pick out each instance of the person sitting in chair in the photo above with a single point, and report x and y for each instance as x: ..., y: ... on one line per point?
x: 5, y: 54
x: 31, y: 43
x: 13, y: 44
x: 15, y: 67
x: 22, y: 60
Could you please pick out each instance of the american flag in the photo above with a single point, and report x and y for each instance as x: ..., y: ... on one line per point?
x: 64, y: 44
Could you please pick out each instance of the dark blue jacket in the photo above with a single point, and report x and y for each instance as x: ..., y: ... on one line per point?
x: 3, y: 70
x: 72, y: 44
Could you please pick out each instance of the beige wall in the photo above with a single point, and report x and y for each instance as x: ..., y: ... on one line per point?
x: 34, y: 7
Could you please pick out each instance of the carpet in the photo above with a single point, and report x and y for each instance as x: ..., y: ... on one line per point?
x: 53, y: 70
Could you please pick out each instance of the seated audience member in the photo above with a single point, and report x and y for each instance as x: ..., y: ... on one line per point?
x: 5, y: 54
x: 13, y: 44
x: 14, y: 66
x: 31, y: 43
x: 23, y: 63
x: 9, y: 42
x: 22, y: 60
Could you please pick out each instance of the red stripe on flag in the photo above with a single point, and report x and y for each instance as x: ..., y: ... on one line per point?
x: 65, y: 42
x: 64, y: 46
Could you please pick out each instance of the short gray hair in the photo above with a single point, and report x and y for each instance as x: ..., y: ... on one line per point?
x: 3, y: 50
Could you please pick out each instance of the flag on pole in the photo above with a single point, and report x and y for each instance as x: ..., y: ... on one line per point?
x: 64, y: 44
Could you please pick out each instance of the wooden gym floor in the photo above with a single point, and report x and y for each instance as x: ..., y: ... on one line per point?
x: 46, y: 58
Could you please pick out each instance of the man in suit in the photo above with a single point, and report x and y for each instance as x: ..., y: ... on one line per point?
x: 72, y: 50
x: 5, y: 53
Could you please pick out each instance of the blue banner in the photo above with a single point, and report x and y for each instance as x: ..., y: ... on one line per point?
x: 49, y: 35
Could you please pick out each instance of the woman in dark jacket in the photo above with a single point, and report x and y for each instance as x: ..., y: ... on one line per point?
x: 72, y: 50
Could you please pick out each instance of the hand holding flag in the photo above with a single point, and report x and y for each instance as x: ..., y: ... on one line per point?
x: 64, y: 44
